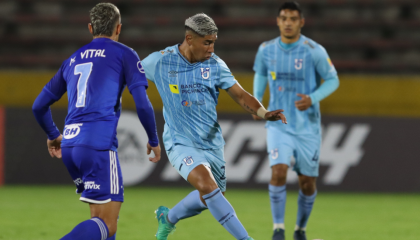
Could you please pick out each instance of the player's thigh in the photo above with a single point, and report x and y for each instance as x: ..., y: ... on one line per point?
x: 215, y: 158
x: 72, y: 164
x: 101, y: 175
x: 184, y: 159
x: 307, y: 155
x: 280, y: 147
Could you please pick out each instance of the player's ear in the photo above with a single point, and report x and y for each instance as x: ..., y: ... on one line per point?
x: 118, y: 29
x: 189, y: 38
x: 90, y: 28
x: 278, y: 21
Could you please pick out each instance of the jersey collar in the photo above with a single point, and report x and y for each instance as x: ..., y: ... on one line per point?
x: 289, y: 47
x: 185, y: 60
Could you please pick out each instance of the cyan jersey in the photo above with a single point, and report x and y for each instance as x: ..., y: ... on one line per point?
x: 189, y: 92
x: 95, y: 77
x: 292, y: 71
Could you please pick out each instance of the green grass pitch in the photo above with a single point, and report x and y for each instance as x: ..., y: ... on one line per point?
x: 49, y: 212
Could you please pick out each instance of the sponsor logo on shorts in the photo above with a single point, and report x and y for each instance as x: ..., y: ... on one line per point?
x: 72, y: 130
x: 188, y: 160
x: 92, y: 185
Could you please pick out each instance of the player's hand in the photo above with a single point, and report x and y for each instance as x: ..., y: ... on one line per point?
x: 275, y: 116
x: 256, y: 118
x: 54, y: 147
x: 303, y: 103
x: 156, y: 151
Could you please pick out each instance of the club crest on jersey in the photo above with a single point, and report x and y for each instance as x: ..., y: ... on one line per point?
x: 275, y: 153
x: 186, y: 103
x: 205, y: 73
x: 298, y: 64
x: 140, y: 67
x: 188, y: 160
x: 72, y: 130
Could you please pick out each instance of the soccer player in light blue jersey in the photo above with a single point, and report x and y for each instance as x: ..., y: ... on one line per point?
x: 189, y: 77
x: 293, y: 66
x: 94, y: 78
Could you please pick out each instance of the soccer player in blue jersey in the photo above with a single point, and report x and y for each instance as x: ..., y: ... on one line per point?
x: 94, y: 78
x: 189, y: 77
x: 293, y: 66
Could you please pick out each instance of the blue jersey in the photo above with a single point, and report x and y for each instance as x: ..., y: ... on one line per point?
x: 95, y: 77
x: 297, y: 69
x: 189, y: 92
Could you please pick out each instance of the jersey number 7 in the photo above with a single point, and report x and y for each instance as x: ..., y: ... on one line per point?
x: 84, y: 71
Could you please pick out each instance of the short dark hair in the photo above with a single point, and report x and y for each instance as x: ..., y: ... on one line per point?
x: 291, y: 6
x: 104, y: 17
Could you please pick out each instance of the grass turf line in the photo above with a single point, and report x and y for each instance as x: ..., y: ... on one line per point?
x: 49, y: 212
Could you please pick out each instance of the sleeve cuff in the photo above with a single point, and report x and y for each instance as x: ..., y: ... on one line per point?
x: 154, y: 143
x: 54, y: 135
x: 134, y: 86
x: 229, y: 84
x: 51, y: 94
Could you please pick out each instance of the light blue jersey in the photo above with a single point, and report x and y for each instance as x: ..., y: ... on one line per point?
x: 189, y: 92
x: 291, y: 69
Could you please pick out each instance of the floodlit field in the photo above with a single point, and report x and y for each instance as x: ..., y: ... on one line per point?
x: 49, y: 212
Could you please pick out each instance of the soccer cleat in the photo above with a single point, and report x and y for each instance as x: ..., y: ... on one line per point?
x: 165, y: 227
x: 250, y: 238
x: 278, y: 234
x: 299, y: 235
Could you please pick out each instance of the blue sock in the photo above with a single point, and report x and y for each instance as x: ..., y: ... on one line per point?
x: 92, y: 229
x: 305, y: 204
x: 221, y: 209
x: 278, y: 204
x: 190, y: 206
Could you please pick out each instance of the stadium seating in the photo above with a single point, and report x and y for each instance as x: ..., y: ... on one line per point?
x: 360, y: 35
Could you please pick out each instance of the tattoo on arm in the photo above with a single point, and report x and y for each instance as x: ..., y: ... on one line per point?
x: 249, y: 109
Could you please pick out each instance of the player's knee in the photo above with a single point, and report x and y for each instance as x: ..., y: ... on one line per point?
x: 206, y: 188
x: 278, y: 175
x: 308, y: 187
x: 278, y: 180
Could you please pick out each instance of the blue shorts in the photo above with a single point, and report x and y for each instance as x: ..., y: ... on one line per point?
x: 282, y: 146
x: 97, y: 174
x: 184, y: 159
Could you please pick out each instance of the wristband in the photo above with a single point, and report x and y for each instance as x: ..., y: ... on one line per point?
x: 261, y: 112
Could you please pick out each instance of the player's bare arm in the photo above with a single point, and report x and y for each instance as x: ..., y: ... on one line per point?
x: 304, y: 103
x: 54, y: 147
x: 252, y: 105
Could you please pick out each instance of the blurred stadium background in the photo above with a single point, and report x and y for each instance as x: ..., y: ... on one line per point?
x: 369, y: 177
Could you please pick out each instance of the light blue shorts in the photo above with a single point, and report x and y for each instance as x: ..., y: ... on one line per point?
x: 184, y: 159
x: 282, y: 146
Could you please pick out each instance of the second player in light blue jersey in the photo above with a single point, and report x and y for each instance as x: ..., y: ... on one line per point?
x: 189, y: 77
x: 293, y: 66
